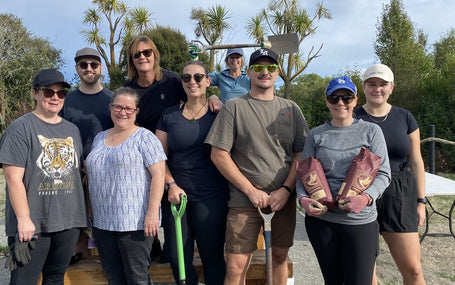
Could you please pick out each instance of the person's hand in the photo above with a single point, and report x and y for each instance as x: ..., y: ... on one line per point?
x: 192, y: 51
x: 312, y: 207
x: 174, y: 193
x: 215, y: 104
x: 25, y: 229
x: 259, y: 198
x: 421, y: 215
x: 278, y: 199
x: 355, y: 203
x: 151, y: 223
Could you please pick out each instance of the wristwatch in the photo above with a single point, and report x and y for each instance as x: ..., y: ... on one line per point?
x: 422, y: 200
x: 168, y: 185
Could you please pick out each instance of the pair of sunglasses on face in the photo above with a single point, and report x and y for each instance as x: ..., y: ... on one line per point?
x: 258, y: 68
x: 334, y: 99
x: 84, y: 65
x: 145, y: 52
x: 49, y: 93
x: 197, y: 77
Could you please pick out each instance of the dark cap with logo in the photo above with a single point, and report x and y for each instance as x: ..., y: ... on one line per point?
x: 48, y: 77
x: 263, y: 52
x: 87, y: 52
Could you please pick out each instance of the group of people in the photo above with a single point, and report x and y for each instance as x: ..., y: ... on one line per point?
x: 119, y: 159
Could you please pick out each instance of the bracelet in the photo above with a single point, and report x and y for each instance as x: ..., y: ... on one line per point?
x: 422, y: 200
x: 168, y: 185
x: 289, y: 189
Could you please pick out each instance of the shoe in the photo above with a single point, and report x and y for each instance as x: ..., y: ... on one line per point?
x: 76, y: 258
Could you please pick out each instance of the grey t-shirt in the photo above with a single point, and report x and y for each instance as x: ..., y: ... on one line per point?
x: 335, y: 147
x: 51, y: 156
x: 262, y: 137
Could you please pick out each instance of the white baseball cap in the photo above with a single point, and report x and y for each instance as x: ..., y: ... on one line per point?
x: 380, y: 71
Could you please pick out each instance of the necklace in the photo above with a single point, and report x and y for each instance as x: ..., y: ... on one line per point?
x: 378, y: 121
x: 193, y: 119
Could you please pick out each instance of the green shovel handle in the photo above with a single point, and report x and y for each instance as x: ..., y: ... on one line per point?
x: 178, y: 232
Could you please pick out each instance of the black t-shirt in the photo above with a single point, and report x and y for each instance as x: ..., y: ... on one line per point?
x: 396, y: 128
x: 90, y: 113
x: 189, y: 158
x: 154, y: 99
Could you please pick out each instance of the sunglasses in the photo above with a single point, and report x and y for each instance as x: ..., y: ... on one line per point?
x: 84, y: 65
x: 49, y: 93
x: 145, y: 52
x: 334, y: 99
x: 197, y: 77
x: 258, y: 68
x: 119, y: 108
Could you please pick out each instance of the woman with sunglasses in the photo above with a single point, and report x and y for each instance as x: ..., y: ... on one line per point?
x: 182, y: 130
x: 125, y: 169
x: 345, y: 239
x: 401, y: 209
x: 233, y: 81
x: 41, y: 153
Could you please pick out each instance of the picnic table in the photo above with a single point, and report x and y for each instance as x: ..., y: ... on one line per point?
x: 438, y: 185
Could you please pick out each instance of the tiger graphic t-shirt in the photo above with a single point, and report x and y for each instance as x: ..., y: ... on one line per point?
x: 51, y: 157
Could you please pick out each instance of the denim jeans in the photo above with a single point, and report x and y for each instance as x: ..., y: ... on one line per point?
x: 125, y: 256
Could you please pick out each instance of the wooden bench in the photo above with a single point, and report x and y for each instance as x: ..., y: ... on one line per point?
x: 89, y: 271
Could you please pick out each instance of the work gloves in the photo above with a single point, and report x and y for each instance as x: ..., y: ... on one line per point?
x: 312, y: 207
x: 19, y: 254
x: 355, y: 203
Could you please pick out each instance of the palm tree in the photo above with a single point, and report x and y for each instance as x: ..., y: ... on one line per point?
x: 210, y: 25
x: 286, y: 17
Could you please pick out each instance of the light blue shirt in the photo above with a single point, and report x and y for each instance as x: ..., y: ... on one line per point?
x: 229, y: 86
x: 119, y: 181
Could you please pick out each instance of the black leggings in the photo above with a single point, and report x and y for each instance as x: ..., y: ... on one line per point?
x: 346, y: 253
x: 51, y: 257
x: 205, y: 222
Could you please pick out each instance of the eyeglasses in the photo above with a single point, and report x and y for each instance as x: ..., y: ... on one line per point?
x: 49, y: 93
x: 119, y: 108
x: 145, y: 52
x: 334, y: 99
x: 258, y: 68
x: 197, y: 77
x: 84, y: 65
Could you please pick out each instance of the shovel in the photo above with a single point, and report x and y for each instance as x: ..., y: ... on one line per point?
x: 281, y: 44
x: 178, y: 235
x: 268, y: 243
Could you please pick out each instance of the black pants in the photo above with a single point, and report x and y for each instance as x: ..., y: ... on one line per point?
x: 125, y: 256
x: 346, y: 253
x: 205, y: 223
x: 51, y: 257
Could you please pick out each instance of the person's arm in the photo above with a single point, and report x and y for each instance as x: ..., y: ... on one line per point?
x: 227, y: 167
x: 18, y: 198
x: 417, y: 166
x: 174, y: 190
x: 279, y: 197
x: 152, y: 218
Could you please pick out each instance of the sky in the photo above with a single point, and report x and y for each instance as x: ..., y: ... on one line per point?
x: 347, y: 39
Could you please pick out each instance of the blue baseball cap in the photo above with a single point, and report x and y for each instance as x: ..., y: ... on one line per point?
x: 234, y: 50
x: 342, y: 82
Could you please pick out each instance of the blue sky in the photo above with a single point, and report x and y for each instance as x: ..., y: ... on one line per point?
x: 348, y: 38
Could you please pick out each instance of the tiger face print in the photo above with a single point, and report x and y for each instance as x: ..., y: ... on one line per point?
x: 58, y: 157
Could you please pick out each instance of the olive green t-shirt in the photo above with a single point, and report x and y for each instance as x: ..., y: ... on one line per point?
x: 262, y: 138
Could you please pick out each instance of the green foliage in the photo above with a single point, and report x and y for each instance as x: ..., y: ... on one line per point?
x: 22, y: 56
x: 401, y: 47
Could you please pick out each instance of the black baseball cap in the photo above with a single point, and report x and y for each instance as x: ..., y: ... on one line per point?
x: 263, y: 52
x: 48, y: 77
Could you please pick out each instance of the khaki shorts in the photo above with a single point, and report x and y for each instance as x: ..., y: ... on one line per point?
x: 244, y: 224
